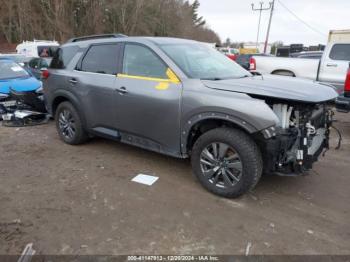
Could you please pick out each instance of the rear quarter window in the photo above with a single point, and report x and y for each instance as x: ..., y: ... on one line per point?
x: 46, y: 51
x: 63, y: 56
x: 340, y: 52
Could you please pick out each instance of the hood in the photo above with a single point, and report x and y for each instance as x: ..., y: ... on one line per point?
x: 282, y: 87
x: 19, y: 85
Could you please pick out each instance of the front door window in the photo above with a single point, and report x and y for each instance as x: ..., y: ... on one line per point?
x: 141, y: 61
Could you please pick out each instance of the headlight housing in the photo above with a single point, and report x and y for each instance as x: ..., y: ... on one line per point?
x: 3, y: 96
x: 269, y: 132
x: 40, y: 90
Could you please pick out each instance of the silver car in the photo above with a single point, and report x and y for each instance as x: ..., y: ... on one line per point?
x: 184, y: 99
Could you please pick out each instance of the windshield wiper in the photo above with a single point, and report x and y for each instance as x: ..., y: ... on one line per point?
x: 245, y: 76
x: 212, y: 78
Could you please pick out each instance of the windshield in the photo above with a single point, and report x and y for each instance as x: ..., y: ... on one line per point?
x: 198, y: 61
x: 17, y: 58
x: 46, y: 62
x: 9, y: 69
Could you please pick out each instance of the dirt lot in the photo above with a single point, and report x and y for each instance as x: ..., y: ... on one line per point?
x: 80, y: 200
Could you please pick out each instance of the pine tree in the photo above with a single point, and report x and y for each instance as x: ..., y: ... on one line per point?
x: 197, y: 20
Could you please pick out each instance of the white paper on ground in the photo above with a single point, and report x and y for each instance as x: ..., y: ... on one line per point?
x: 145, y: 179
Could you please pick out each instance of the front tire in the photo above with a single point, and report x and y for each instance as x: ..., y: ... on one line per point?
x: 69, y: 124
x: 227, y: 162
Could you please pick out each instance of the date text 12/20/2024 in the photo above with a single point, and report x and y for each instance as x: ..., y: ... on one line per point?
x: 173, y: 258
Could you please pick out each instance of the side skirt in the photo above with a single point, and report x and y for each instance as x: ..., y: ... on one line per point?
x: 134, y: 140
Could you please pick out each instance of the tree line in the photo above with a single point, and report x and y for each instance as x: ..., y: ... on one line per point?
x: 63, y: 19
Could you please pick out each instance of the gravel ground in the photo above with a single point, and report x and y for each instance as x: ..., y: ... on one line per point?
x: 80, y: 200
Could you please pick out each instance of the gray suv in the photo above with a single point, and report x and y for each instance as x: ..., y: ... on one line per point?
x: 184, y: 99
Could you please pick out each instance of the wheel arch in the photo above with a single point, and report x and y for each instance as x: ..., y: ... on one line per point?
x: 199, y: 124
x: 64, y: 96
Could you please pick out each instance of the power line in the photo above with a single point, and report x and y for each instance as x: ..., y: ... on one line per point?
x: 301, y: 20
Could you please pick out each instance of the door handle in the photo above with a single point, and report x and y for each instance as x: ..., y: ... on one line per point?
x: 122, y: 90
x: 73, y: 81
x: 332, y: 65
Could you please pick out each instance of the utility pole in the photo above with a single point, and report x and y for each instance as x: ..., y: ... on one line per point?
x: 268, y: 29
x: 260, y: 11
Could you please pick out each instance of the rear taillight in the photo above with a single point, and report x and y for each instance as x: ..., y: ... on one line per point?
x: 347, y: 84
x: 45, y: 74
x: 252, y: 64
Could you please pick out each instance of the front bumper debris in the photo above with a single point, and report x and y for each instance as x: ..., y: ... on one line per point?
x: 22, y: 109
x: 20, y: 118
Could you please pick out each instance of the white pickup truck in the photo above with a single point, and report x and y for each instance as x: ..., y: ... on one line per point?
x: 331, y: 69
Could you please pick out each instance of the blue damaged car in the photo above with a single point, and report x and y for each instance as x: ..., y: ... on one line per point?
x: 18, y: 86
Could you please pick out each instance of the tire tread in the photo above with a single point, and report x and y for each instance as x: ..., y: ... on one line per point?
x: 252, y: 165
x: 81, y: 135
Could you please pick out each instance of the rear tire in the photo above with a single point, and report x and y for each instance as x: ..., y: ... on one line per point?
x: 69, y: 124
x: 227, y: 162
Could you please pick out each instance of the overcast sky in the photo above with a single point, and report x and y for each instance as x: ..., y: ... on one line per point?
x: 236, y: 20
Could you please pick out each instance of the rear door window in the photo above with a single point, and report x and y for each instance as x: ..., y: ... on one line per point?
x: 102, y: 59
x: 340, y: 52
x: 141, y: 61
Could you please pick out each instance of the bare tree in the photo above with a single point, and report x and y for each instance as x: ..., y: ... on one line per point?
x: 63, y: 19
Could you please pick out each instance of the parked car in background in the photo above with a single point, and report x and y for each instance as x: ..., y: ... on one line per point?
x: 16, y: 81
x: 37, y: 65
x: 308, y: 54
x: 37, y: 48
x: 184, y: 99
x: 230, y: 52
x: 247, y: 61
x: 19, y: 59
x: 331, y: 69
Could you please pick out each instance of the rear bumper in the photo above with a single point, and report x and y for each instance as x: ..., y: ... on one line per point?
x: 342, y: 103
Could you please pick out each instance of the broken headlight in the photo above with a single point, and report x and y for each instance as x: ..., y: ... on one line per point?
x: 3, y: 97
x: 40, y: 90
x: 269, y: 132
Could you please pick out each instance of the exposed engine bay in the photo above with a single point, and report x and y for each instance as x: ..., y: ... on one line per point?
x: 299, y: 138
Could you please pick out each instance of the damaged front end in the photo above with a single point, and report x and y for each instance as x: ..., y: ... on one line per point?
x: 22, y: 108
x: 302, y: 134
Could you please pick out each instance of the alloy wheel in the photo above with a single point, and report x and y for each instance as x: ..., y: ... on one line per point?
x: 221, y: 165
x: 66, y: 124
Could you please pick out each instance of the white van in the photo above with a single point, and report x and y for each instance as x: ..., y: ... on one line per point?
x: 37, y: 48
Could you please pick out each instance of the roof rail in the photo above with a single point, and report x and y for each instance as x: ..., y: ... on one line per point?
x: 92, y: 37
